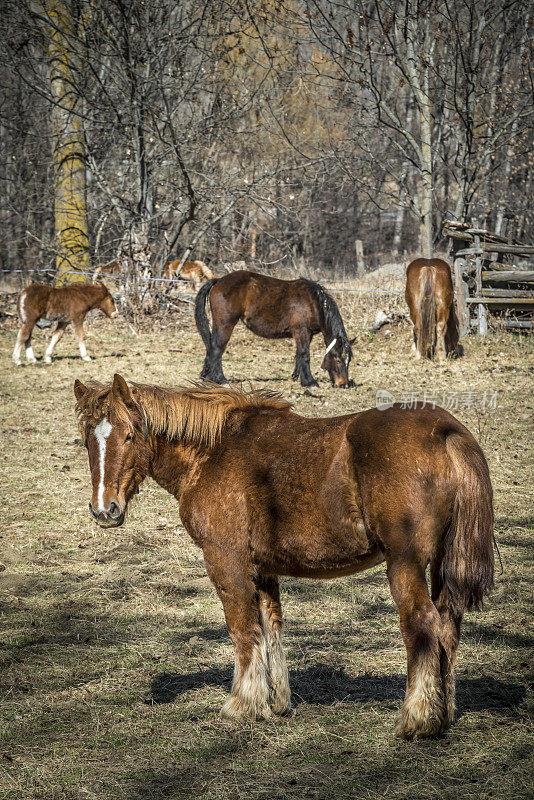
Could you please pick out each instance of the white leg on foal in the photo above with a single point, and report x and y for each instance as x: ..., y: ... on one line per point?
x: 56, y: 336
x: 78, y: 330
x: 18, y: 349
x: 24, y: 338
x: 30, y: 358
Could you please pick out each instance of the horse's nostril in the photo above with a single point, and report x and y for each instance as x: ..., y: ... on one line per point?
x: 114, y: 510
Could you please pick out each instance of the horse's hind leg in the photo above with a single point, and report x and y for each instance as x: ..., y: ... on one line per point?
x: 56, y: 336
x: 302, y: 358
x: 441, y: 330
x: 271, y: 623
x: 449, y: 639
x: 424, y: 712
x: 212, y: 369
x: 24, y: 338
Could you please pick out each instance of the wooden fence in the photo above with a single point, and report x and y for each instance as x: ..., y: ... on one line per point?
x: 484, y: 281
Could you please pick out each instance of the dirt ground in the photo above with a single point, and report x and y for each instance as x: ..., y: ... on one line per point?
x: 115, y: 658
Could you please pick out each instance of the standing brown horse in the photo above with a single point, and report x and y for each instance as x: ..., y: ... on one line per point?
x: 274, y: 309
x: 265, y: 492
x: 430, y: 298
x: 65, y: 304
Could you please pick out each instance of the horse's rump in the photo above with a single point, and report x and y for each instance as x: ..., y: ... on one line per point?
x: 430, y: 298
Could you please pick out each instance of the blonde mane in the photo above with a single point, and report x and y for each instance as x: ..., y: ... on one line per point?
x: 195, y: 414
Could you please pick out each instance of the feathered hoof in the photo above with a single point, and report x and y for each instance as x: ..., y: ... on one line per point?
x: 283, y: 710
x: 236, y: 709
x: 410, y: 726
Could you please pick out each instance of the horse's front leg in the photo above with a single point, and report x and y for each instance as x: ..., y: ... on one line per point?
x: 78, y: 330
x: 56, y: 336
x: 250, y: 693
x: 302, y: 370
x: 271, y: 622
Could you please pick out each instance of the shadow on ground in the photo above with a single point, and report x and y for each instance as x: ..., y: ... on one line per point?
x: 322, y: 685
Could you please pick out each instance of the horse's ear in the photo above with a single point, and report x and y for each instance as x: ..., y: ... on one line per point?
x: 79, y: 390
x: 121, y: 391
x: 351, y: 341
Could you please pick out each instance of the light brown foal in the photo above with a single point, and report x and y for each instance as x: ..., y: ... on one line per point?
x: 65, y: 304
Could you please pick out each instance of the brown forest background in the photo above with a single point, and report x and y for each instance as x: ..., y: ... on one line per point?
x: 278, y: 132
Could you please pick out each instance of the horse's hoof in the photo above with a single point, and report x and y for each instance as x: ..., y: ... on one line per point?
x: 47, y: 360
x: 86, y: 358
x: 410, y: 726
x: 32, y: 361
x: 236, y: 709
x: 17, y: 362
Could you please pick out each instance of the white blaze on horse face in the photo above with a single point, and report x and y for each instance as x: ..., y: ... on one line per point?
x: 102, y: 431
x: 330, y: 346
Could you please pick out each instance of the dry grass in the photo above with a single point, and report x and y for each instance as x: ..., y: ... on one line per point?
x: 115, y: 657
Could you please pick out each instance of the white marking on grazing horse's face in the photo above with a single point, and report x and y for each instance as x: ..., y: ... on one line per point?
x: 102, y: 431
x: 330, y: 346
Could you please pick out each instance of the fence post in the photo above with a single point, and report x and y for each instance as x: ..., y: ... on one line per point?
x: 360, y: 266
x: 482, y: 316
x: 460, y: 290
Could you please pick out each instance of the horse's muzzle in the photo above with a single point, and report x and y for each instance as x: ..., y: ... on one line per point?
x: 112, y: 517
x: 340, y: 382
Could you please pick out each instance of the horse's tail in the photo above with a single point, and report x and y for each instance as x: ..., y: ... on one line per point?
x: 426, y: 333
x: 201, y: 318
x: 334, y: 327
x: 467, y: 565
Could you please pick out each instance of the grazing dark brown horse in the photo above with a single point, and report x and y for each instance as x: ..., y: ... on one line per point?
x: 265, y: 492
x: 65, y: 304
x: 274, y: 309
x: 430, y: 298
x: 195, y: 271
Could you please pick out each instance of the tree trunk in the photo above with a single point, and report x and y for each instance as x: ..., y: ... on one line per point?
x: 72, y: 239
x: 401, y: 209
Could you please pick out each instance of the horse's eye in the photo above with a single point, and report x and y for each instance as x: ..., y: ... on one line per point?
x: 129, y: 438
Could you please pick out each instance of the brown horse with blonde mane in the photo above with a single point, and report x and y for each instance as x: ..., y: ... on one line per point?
x: 265, y: 492
x: 64, y: 304
x: 430, y: 298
